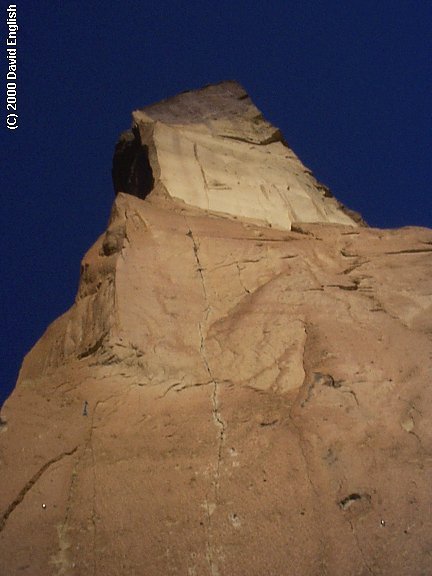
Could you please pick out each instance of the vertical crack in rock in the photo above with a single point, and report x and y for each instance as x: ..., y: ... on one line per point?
x: 90, y: 447
x: 219, y: 422
x: 304, y: 457
x: 93, y: 511
x: 240, y: 279
x: 301, y: 442
x: 209, y: 549
x: 368, y: 568
x: 206, y: 187
x: 309, y: 393
x: 61, y: 559
x: 414, y: 414
x: 29, y: 485
x: 126, y: 235
x: 306, y: 387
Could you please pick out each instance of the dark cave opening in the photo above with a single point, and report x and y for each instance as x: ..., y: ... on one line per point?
x: 131, y: 169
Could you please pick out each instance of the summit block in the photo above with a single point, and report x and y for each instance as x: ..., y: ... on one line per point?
x: 213, y: 149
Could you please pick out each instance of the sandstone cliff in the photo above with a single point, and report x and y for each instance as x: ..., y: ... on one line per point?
x: 242, y: 386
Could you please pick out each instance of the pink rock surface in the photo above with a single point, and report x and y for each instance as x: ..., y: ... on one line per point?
x: 225, y: 398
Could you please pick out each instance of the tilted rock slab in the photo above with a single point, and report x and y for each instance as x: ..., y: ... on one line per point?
x: 225, y: 398
x: 213, y: 149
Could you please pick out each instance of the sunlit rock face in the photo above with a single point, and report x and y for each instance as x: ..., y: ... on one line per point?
x: 226, y: 397
x: 231, y: 160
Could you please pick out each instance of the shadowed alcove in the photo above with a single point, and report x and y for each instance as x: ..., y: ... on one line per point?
x: 131, y: 170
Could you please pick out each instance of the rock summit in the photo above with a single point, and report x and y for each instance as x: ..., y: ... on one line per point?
x: 242, y: 385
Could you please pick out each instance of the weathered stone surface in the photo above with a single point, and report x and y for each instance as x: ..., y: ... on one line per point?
x: 213, y: 149
x: 226, y: 398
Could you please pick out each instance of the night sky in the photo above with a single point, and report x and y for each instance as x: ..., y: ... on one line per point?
x: 348, y: 82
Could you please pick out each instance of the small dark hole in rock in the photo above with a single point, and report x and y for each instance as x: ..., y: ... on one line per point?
x: 348, y: 500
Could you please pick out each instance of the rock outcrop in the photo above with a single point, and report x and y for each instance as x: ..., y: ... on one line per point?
x: 242, y: 385
x: 213, y: 149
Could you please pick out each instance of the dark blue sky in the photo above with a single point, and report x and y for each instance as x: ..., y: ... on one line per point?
x: 349, y: 84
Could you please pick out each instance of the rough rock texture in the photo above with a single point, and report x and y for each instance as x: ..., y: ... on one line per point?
x: 214, y: 150
x: 225, y: 398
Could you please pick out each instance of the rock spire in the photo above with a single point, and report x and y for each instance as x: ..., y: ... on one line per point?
x: 242, y: 385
